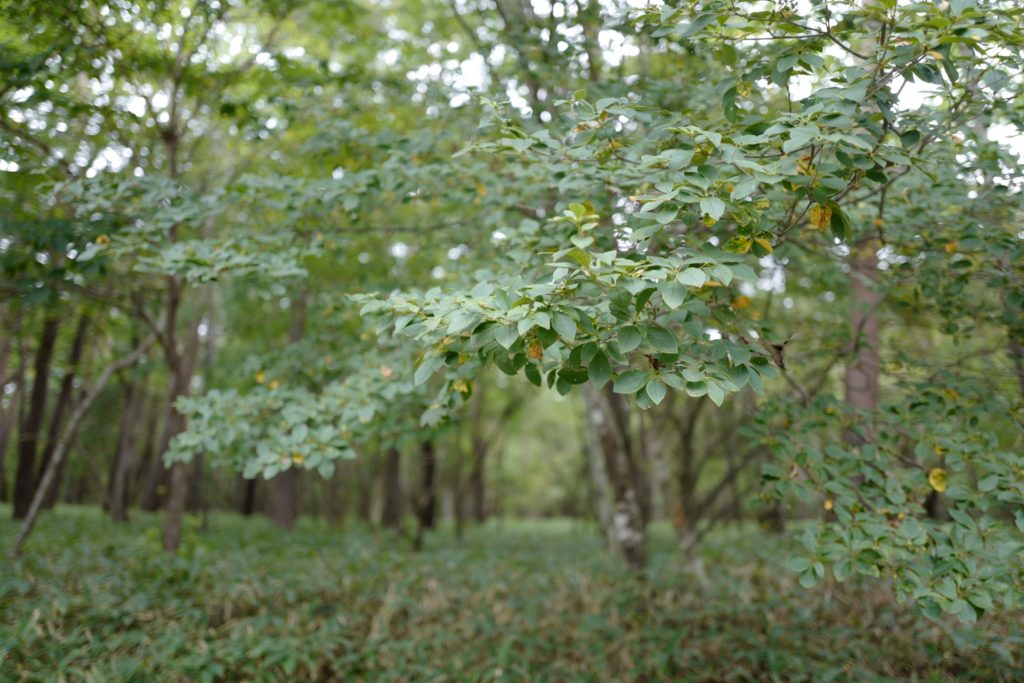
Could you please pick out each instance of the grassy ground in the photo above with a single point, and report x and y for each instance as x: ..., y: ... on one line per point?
x: 522, y: 601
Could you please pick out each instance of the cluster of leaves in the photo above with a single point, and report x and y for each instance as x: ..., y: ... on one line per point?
x: 933, y: 500
x: 534, y: 600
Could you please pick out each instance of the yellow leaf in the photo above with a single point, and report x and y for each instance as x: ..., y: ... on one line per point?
x: 274, y: 385
x: 297, y: 458
x: 481, y: 190
x: 829, y: 504
x: 821, y: 216
x: 938, y: 479
x: 764, y: 244
x: 952, y: 247
x: 103, y: 240
x: 741, y: 302
x: 260, y: 377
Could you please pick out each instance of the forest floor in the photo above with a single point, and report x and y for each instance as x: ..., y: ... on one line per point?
x: 514, y: 601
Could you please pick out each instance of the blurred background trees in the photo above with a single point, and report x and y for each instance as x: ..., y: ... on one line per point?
x: 777, y: 250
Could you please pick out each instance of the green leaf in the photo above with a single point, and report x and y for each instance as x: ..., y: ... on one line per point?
x: 673, y: 293
x: 799, y: 137
x: 630, y: 382
x: 743, y: 189
x: 662, y: 340
x: 715, y: 392
x: 600, y: 370
x: 506, y: 335
x: 565, y: 326
x: 692, y: 277
x: 462, y: 321
x: 712, y: 206
x: 656, y: 391
x: 427, y: 368
x: 629, y: 339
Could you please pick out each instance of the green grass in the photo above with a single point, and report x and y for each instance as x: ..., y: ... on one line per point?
x: 520, y: 601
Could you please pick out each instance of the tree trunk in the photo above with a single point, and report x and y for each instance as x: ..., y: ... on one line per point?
x: 364, y: 499
x: 28, y: 436
x: 427, y: 508
x: 284, y: 501
x: 9, y: 414
x: 863, y: 367
x: 148, y: 474
x: 477, y: 488
x: 60, y: 453
x: 248, y: 497
x: 284, y: 498
x: 1016, y: 353
x: 628, y: 531
x: 117, y: 498
x: 336, y: 508
x: 181, y: 368
x: 175, y: 506
x: 391, y: 511
x: 63, y: 403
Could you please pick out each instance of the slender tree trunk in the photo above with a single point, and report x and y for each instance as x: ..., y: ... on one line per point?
x: 427, y: 508
x: 284, y: 498
x: 336, y: 508
x: 284, y: 495
x: 600, y: 490
x: 1016, y: 353
x: 64, y: 397
x: 628, y: 522
x: 117, y: 499
x: 365, y: 475
x: 60, y: 453
x: 28, y: 436
x: 477, y: 489
x: 9, y: 413
x: 181, y: 368
x: 391, y: 510
x: 149, y: 467
x: 177, y: 490
x: 863, y: 367
x: 248, y: 497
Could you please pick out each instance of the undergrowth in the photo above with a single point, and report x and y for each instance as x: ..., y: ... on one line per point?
x: 514, y: 601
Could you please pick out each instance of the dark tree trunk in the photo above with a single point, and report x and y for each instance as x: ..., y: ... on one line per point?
x: 175, y: 506
x: 336, y: 507
x: 195, y: 500
x: 124, y: 456
x: 182, y: 367
x: 391, y: 511
x: 248, y: 497
x: 154, y: 488
x: 9, y: 414
x: 60, y: 409
x: 365, y: 476
x: 477, y: 490
x: 28, y: 436
x: 284, y: 497
x: 427, y: 509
